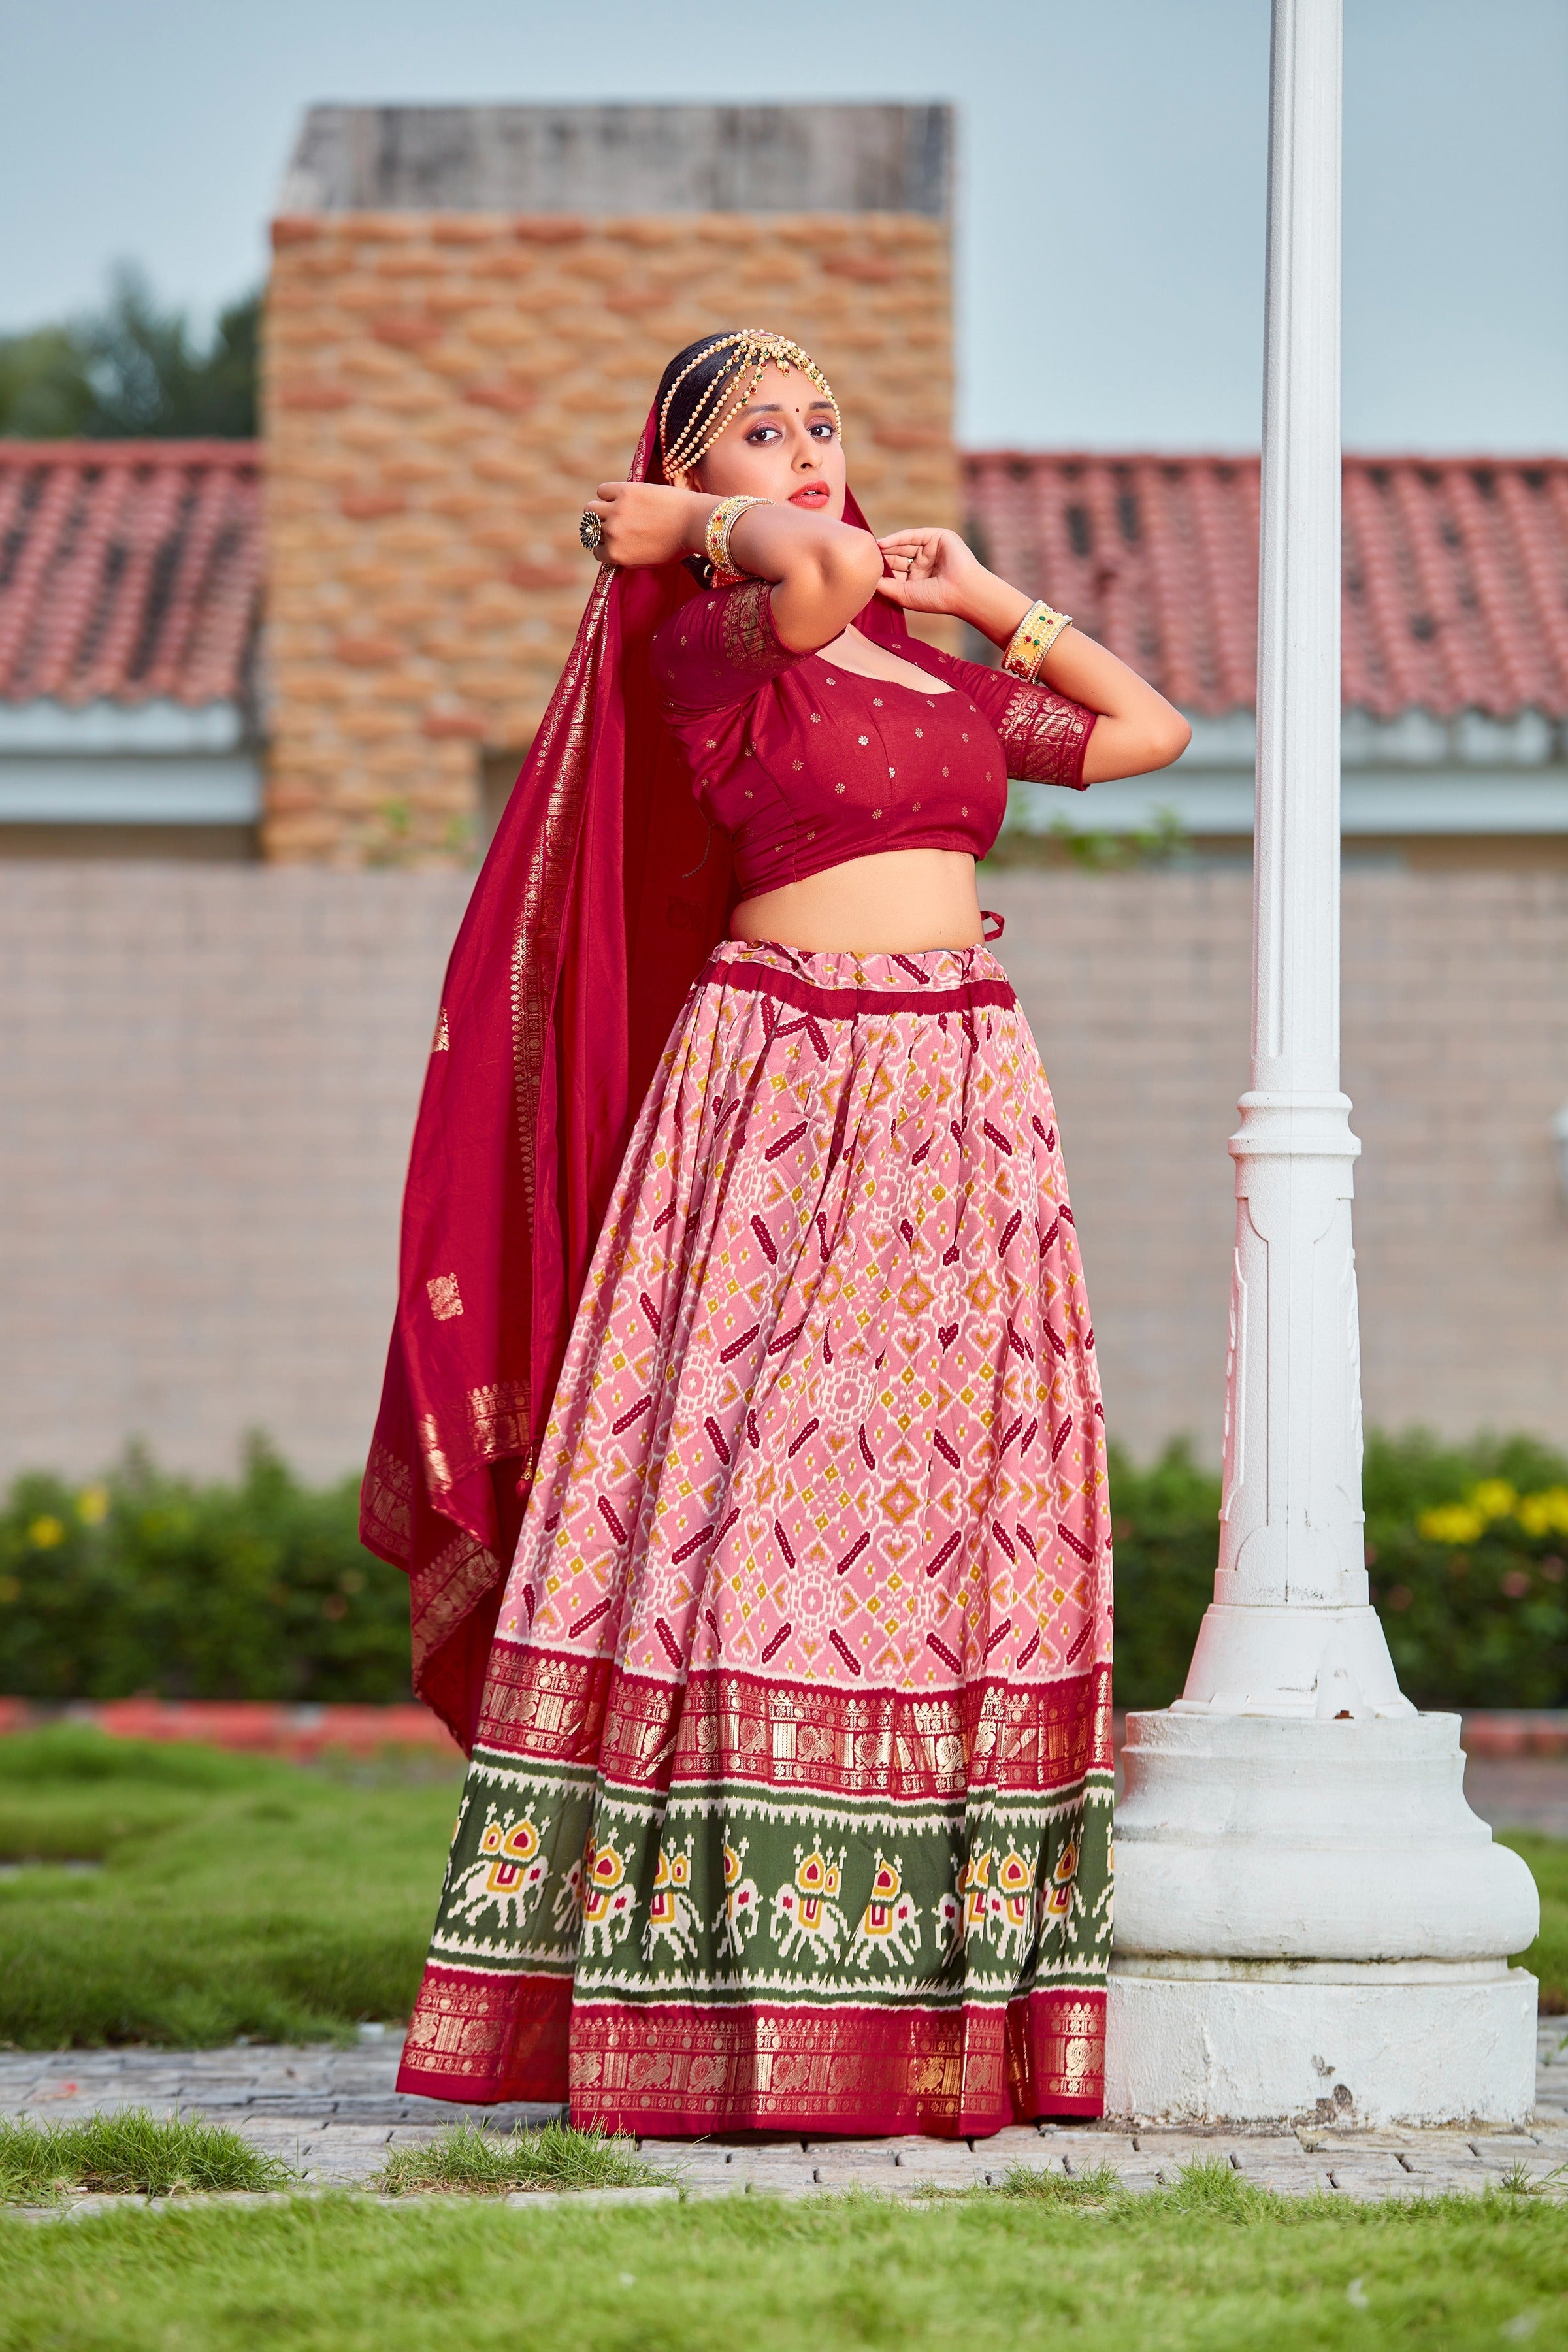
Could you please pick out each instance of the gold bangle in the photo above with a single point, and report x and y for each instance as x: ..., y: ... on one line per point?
x: 720, y: 523
x: 1032, y: 640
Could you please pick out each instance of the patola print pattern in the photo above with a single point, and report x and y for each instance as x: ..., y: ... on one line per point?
x: 790, y: 1806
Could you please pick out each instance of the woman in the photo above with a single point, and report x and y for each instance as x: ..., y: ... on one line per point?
x: 751, y: 1474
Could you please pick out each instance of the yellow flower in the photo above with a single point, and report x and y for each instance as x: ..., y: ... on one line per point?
x: 45, y: 1532
x: 1545, y: 1514
x: 1452, y: 1523
x: 92, y: 1506
x: 1494, y: 1499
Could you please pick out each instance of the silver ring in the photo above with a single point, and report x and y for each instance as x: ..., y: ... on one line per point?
x: 591, y: 530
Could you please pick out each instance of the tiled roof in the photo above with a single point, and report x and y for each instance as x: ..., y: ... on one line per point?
x: 129, y: 570
x: 1455, y: 572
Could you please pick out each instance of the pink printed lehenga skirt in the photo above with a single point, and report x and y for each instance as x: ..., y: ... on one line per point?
x: 790, y: 1807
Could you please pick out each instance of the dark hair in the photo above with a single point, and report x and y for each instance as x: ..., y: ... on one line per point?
x: 695, y: 388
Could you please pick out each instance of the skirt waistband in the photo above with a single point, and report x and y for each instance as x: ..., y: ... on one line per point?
x: 972, y: 973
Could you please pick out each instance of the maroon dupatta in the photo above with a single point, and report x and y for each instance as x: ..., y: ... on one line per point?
x: 603, y: 894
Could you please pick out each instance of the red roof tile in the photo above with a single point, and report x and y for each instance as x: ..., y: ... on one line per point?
x: 1455, y: 572
x: 129, y: 570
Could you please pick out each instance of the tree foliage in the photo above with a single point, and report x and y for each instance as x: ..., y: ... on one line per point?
x: 132, y: 370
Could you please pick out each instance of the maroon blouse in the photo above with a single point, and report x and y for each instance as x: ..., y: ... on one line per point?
x: 807, y: 765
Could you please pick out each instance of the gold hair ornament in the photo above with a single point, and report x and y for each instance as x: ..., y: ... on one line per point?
x: 754, y: 349
x: 1032, y: 640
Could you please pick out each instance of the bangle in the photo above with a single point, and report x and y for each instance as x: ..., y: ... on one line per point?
x: 720, y: 523
x: 1032, y: 640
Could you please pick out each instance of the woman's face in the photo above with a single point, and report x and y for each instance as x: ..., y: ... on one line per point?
x: 783, y: 445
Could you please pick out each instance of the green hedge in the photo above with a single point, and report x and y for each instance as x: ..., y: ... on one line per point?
x: 144, y: 1583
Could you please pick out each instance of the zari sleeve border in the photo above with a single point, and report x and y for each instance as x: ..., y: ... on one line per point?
x: 1045, y: 737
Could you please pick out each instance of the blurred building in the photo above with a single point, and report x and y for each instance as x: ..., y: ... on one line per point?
x: 130, y: 633
x: 470, y: 309
x: 1454, y: 639
x: 259, y: 707
x: 129, y: 589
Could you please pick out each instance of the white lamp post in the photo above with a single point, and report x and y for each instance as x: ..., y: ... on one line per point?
x: 1559, y: 1143
x: 1309, y: 1919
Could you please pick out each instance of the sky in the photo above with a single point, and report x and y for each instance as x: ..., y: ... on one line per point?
x: 1111, y: 195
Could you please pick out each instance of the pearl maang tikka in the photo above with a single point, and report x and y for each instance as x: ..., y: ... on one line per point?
x: 755, y: 349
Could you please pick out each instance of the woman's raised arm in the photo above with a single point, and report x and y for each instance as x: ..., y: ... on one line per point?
x: 1137, y: 728
x: 823, y: 571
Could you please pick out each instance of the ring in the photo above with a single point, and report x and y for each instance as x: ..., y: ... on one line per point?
x: 591, y: 530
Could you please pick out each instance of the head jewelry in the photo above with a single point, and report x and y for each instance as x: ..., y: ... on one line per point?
x: 754, y: 349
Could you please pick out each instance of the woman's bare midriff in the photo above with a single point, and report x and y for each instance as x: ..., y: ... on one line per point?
x: 898, y: 902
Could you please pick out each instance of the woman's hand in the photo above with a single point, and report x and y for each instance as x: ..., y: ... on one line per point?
x: 937, y: 572
x: 1137, y: 729
x: 644, y: 523
x: 933, y: 571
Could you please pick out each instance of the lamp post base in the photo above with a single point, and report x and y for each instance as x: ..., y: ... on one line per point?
x: 1303, y: 1903
x: 1385, y: 2042
x: 1325, y: 1663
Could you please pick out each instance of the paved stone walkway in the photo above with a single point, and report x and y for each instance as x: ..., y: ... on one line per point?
x: 334, y: 2115
x: 1520, y: 1792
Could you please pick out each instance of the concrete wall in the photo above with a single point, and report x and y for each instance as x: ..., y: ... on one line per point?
x: 209, y: 1078
x: 207, y: 1082
x: 1455, y: 994
x: 622, y: 159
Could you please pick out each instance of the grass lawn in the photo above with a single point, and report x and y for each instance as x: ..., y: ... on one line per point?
x: 133, y: 2151
x: 1548, y: 1956
x: 548, y: 2155
x: 236, y: 1895
x: 1211, y: 2265
x: 239, y: 1895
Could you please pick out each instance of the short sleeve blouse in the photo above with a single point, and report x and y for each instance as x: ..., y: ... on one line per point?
x: 807, y: 766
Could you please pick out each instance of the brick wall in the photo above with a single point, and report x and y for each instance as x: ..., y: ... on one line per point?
x: 209, y: 1079
x: 444, y: 389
